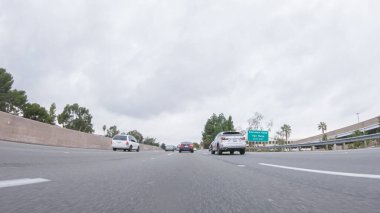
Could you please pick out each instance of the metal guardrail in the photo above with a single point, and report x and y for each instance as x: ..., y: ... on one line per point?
x: 328, y: 142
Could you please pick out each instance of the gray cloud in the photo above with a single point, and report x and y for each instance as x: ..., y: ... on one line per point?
x: 147, y: 62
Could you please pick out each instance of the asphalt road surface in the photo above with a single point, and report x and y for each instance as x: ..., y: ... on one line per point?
x: 51, y: 179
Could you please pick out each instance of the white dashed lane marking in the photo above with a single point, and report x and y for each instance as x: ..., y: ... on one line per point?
x: 20, y: 182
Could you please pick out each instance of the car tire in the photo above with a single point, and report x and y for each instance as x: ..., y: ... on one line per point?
x: 179, y: 151
x: 212, y: 152
x: 192, y: 151
x: 124, y: 150
x: 130, y: 148
x: 138, y: 149
x: 114, y: 149
x: 219, y: 151
x: 242, y: 152
x: 231, y: 152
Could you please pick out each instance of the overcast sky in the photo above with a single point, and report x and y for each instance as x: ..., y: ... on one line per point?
x: 163, y: 67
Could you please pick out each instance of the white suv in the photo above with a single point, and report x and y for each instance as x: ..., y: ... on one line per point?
x: 228, y: 142
x: 125, y: 142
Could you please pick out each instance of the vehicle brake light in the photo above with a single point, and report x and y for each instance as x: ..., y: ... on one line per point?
x: 126, y: 142
x: 243, y: 138
x: 224, y: 138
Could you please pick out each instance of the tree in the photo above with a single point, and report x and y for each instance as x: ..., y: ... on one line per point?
x: 229, y: 124
x: 11, y: 101
x: 52, y: 116
x: 104, y: 129
x: 150, y: 141
x: 279, y: 138
x: 139, y: 137
x: 255, y: 122
x: 357, y: 133
x: 76, y: 118
x: 163, y: 146
x: 286, y: 130
x: 270, y: 125
x: 213, y: 126
x: 197, y: 145
x: 210, y: 130
x: 35, y: 112
x: 322, y: 126
x: 241, y: 130
x: 112, y: 131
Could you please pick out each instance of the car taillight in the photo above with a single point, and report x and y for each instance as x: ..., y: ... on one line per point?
x: 243, y: 138
x: 126, y: 142
x: 224, y: 138
x: 191, y: 145
x: 181, y: 145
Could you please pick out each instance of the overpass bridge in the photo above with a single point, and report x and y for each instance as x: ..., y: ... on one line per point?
x: 370, y: 126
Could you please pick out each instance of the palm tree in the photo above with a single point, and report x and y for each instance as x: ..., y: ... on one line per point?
x: 286, y: 129
x: 322, y: 126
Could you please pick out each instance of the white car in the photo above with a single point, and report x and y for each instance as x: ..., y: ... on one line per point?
x: 228, y: 142
x: 125, y: 142
x: 169, y: 148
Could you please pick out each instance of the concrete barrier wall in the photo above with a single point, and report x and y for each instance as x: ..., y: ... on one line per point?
x: 145, y: 147
x: 18, y: 129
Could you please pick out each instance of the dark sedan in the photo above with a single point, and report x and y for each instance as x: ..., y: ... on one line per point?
x: 186, y: 146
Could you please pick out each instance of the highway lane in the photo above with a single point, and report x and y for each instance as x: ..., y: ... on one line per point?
x: 83, y: 180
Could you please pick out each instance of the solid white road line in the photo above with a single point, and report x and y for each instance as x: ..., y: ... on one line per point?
x: 20, y: 182
x: 324, y: 172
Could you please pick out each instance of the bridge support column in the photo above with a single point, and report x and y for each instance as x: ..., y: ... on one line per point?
x: 365, y: 144
x: 326, y: 147
x: 312, y: 148
x: 334, y: 146
x: 344, y: 146
x: 299, y: 148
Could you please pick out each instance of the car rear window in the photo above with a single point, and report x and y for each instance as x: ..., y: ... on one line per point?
x: 120, y: 137
x: 232, y: 133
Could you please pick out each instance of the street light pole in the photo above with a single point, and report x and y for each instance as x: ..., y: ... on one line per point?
x: 358, y: 116
x: 359, y: 122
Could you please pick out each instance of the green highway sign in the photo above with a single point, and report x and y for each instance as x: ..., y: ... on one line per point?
x: 257, y: 136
